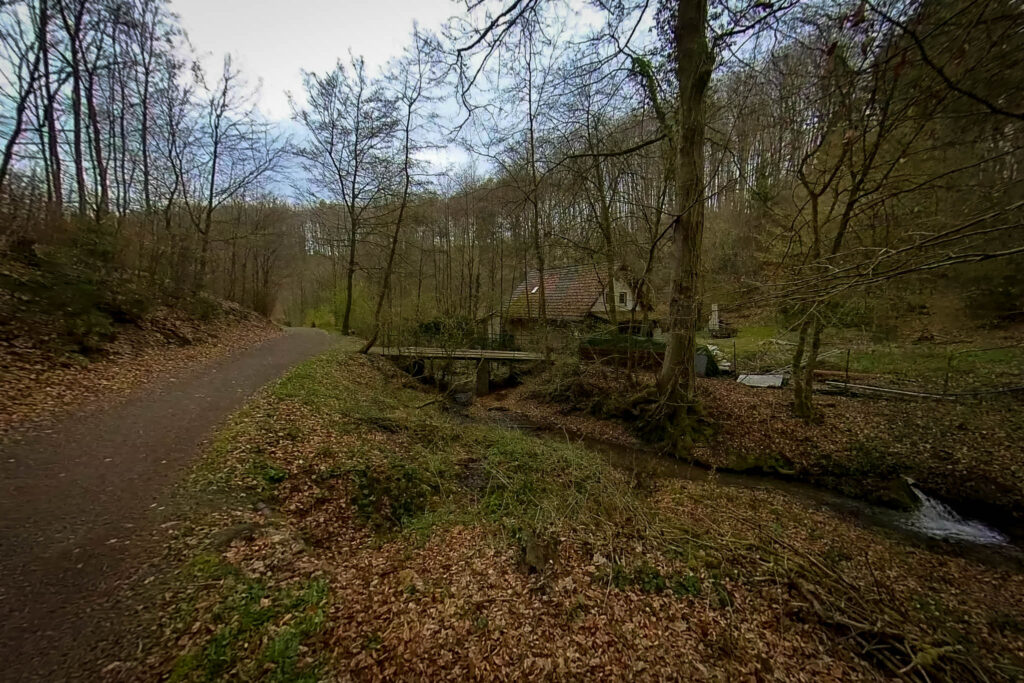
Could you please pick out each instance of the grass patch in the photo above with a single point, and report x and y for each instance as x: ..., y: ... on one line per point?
x: 391, y: 495
x: 253, y: 626
x: 928, y: 365
x: 766, y: 347
x: 752, y: 348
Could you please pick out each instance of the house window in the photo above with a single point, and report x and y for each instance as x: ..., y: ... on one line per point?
x: 622, y: 298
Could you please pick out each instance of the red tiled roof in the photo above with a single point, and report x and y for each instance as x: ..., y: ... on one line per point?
x: 570, y: 293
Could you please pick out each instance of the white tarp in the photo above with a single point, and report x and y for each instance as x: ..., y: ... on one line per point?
x: 761, y: 380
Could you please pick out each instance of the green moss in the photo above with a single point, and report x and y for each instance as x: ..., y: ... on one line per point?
x: 267, y: 474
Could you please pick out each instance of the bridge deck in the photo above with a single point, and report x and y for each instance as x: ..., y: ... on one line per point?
x: 454, y: 354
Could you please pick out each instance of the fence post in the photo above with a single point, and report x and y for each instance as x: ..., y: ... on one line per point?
x: 483, y: 377
x: 949, y: 367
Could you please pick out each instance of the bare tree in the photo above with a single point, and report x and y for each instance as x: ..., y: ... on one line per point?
x: 349, y: 119
x: 23, y: 47
x: 231, y: 150
x: 410, y: 76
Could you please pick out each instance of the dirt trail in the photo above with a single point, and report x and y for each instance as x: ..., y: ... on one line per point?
x: 77, y: 498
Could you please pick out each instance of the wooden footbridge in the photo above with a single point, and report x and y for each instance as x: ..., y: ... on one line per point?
x: 425, y: 352
x: 484, y: 357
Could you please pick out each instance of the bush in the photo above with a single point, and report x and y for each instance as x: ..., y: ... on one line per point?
x: 997, y: 299
x: 89, y: 332
x: 388, y: 496
x: 72, y: 296
x: 447, y: 332
x: 203, y: 308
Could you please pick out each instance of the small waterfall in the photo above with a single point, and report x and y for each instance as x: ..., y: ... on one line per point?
x: 938, y: 520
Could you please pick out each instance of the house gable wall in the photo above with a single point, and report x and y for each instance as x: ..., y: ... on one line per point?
x: 621, y: 289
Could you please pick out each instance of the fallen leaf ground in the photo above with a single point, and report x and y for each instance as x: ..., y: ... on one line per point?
x: 341, y: 529
x: 41, y: 382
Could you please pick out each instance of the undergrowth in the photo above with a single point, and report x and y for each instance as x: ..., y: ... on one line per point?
x: 584, y: 387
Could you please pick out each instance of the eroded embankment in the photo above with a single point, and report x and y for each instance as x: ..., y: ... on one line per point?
x: 43, y: 378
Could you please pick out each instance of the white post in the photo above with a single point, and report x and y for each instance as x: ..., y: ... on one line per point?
x: 713, y: 323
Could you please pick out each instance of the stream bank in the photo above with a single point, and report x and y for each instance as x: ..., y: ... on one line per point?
x: 928, y: 521
x: 966, y: 454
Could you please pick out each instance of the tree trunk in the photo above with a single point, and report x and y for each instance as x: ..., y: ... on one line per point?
x: 677, y: 381
x: 605, y: 225
x: 73, y: 29
x: 611, y: 303
x: 801, y: 396
x: 201, y: 264
x: 353, y: 233
x: 335, y: 307
x: 53, y: 143
x: 809, y: 367
x: 407, y: 172
x: 387, y: 275
x: 103, y: 198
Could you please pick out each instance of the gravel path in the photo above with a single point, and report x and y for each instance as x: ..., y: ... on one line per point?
x: 78, y: 499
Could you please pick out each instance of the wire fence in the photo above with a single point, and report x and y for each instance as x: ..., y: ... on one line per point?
x: 949, y: 372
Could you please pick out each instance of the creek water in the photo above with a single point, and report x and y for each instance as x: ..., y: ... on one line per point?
x: 936, y: 519
x: 932, y: 520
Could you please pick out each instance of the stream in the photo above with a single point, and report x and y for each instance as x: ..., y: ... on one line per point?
x: 932, y: 523
x: 936, y: 519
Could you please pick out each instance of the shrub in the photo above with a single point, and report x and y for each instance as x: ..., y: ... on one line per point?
x: 388, y: 496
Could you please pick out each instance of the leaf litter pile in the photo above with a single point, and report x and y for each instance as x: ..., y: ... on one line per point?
x: 341, y: 528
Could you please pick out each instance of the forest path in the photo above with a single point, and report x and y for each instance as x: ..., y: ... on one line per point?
x: 79, y: 498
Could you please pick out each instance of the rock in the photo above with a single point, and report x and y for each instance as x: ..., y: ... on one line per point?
x: 705, y: 364
x: 925, y: 337
x: 225, y: 537
x: 539, y: 553
x: 896, y: 493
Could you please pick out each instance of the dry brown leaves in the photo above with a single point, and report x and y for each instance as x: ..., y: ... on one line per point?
x: 38, y: 387
x: 966, y: 451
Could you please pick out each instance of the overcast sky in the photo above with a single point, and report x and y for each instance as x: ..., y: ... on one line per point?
x: 273, y: 40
